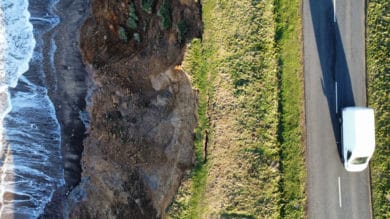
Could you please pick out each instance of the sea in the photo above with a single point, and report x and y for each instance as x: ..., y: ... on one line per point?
x: 30, y: 142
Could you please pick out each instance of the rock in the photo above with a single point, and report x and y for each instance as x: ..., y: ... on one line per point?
x: 142, y: 114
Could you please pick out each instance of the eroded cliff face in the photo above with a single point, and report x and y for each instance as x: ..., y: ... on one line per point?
x: 143, y: 107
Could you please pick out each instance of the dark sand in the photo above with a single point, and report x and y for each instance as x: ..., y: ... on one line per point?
x: 67, y: 89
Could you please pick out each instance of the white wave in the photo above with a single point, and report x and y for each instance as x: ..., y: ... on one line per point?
x: 16, y: 49
x: 16, y: 41
x: 30, y: 153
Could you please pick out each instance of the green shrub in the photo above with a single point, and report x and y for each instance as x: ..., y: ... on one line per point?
x: 131, y: 23
x: 136, y: 37
x: 144, y: 26
x: 122, y: 33
x: 182, y: 29
x: 164, y: 13
x: 132, y: 20
x: 147, y: 6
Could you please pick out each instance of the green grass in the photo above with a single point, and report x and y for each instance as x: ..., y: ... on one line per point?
x: 378, y: 68
x: 257, y: 45
x: 196, y: 61
x: 291, y: 108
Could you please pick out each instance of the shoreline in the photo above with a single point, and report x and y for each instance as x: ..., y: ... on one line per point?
x: 67, y: 88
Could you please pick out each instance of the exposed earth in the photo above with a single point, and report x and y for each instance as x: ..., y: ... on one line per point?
x: 142, y: 109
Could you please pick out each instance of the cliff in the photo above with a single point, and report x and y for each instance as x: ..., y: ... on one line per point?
x: 142, y: 107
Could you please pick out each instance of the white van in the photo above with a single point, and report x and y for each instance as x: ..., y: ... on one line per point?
x: 358, y: 137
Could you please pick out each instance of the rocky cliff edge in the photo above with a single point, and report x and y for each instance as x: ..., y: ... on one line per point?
x: 142, y: 107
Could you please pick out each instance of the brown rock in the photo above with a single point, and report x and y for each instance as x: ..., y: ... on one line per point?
x: 143, y: 112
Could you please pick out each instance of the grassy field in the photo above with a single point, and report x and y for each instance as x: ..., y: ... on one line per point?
x: 378, y: 71
x: 249, y: 76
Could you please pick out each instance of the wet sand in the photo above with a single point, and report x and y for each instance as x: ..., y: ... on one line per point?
x: 67, y: 89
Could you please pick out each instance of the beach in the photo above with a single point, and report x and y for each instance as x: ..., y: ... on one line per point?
x: 67, y: 89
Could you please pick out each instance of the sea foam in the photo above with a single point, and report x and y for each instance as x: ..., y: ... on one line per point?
x: 30, y: 155
x: 16, y: 41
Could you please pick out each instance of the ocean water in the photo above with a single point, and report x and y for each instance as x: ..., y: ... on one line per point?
x: 30, y: 154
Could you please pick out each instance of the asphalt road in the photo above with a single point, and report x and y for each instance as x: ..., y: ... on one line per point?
x: 334, y: 51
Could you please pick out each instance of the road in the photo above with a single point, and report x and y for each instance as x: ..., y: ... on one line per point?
x: 334, y: 52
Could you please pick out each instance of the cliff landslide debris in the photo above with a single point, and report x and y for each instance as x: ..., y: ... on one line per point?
x: 142, y: 109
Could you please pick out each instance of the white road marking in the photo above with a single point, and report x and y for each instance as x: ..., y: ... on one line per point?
x: 334, y: 11
x: 339, y: 193
x: 336, y: 99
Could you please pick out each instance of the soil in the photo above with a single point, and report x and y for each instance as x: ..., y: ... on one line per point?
x: 142, y: 107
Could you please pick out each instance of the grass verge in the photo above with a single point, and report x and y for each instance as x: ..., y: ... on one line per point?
x: 289, y: 42
x: 378, y: 69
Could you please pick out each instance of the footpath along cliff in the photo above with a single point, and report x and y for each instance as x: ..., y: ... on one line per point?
x: 142, y: 107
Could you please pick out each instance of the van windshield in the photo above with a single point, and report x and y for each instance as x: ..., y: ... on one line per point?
x: 359, y: 160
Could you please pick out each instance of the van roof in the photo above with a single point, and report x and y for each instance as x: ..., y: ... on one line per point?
x: 359, y: 130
